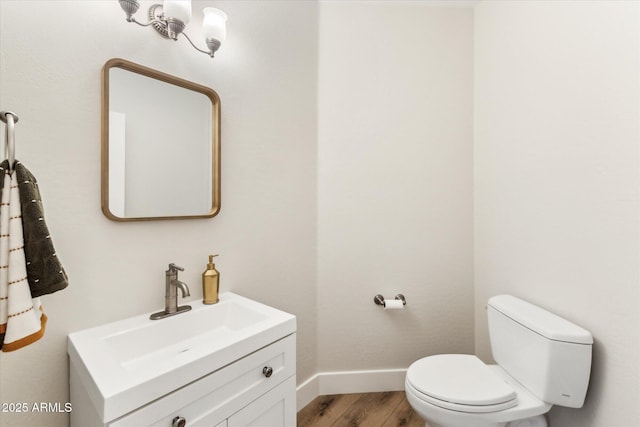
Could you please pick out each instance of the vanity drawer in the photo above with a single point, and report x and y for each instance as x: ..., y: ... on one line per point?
x: 216, y: 396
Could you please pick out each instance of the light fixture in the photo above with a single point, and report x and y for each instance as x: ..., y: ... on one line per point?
x: 170, y: 19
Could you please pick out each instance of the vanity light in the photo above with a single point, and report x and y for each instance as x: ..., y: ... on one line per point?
x: 170, y: 19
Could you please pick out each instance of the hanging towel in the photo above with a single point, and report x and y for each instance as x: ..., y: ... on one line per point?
x: 22, y: 321
x: 44, y: 269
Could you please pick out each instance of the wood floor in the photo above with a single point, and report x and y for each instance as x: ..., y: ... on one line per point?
x: 387, y: 409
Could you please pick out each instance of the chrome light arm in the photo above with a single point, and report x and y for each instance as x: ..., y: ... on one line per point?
x: 212, y: 44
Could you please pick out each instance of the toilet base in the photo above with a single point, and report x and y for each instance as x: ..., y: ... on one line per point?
x: 438, y: 417
x: 539, y: 421
x: 529, y: 412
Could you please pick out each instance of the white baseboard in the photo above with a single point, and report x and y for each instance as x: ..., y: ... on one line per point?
x: 307, y: 391
x: 349, y: 382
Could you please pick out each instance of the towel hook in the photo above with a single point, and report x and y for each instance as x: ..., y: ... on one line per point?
x: 10, y: 118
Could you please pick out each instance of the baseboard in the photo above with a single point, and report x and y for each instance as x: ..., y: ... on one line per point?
x: 349, y: 382
x: 307, y: 391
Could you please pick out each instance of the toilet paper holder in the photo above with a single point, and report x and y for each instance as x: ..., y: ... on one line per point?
x: 379, y: 299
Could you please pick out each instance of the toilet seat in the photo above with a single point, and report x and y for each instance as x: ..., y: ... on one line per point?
x: 460, y: 382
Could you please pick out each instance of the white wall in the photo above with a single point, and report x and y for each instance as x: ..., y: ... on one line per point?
x: 51, y: 53
x: 394, y: 182
x: 556, y: 141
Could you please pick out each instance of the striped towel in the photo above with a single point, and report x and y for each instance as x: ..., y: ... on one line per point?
x: 22, y: 321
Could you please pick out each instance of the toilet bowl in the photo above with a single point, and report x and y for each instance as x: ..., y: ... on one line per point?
x: 459, y: 390
x: 542, y: 360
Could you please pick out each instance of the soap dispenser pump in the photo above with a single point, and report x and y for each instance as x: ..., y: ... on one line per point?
x: 210, y: 283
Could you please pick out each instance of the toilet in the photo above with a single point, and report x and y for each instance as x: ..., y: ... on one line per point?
x: 542, y: 360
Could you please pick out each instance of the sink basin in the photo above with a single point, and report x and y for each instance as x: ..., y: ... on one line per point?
x: 130, y: 362
x: 150, y: 345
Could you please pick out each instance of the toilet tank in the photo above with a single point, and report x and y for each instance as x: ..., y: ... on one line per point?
x: 547, y: 354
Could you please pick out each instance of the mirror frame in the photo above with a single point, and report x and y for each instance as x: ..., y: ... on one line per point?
x: 167, y: 78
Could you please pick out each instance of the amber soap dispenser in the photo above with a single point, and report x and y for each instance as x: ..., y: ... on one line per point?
x: 210, y: 283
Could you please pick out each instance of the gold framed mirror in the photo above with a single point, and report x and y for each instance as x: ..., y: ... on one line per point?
x: 160, y: 145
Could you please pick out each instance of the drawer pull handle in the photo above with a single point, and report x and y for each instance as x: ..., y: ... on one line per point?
x: 267, y: 371
x: 179, y: 422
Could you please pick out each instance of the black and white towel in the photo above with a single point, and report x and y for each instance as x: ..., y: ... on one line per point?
x: 29, y: 265
x: 22, y: 321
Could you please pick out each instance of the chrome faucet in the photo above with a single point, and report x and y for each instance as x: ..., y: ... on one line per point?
x: 171, y: 294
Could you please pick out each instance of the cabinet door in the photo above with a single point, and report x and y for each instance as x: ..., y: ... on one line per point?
x: 276, y: 408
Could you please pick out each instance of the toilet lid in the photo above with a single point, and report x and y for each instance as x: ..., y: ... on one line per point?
x: 459, y: 379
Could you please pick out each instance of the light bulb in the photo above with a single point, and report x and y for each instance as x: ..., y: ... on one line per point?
x: 177, y: 9
x: 214, y: 25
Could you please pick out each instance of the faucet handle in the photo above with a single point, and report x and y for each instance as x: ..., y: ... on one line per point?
x: 173, y: 267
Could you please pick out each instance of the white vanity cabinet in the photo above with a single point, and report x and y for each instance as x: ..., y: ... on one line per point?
x: 255, y: 387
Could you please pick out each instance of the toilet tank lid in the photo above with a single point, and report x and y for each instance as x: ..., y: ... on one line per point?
x: 539, y: 320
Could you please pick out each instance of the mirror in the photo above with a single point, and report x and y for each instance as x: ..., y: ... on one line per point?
x: 160, y: 145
